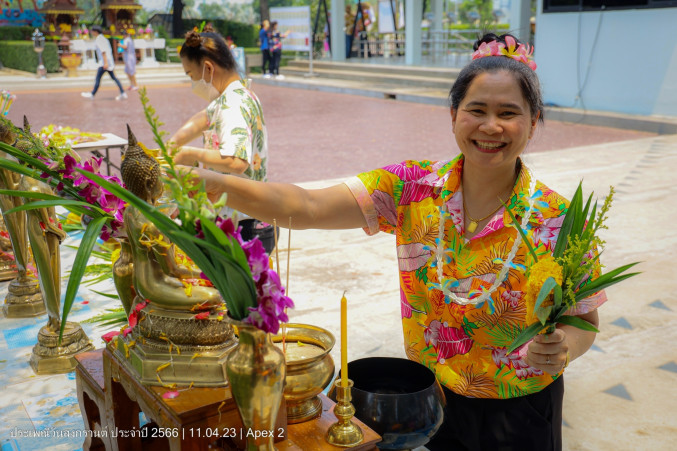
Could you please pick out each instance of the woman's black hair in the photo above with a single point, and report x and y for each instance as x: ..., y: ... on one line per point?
x: 208, y: 44
x: 524, y: 75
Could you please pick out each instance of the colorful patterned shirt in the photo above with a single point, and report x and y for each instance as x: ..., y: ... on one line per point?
x: 237, y: 129
x: 464, y: 345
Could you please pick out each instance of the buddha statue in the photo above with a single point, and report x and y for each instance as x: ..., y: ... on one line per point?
x: 24, y: 298
x: 173, y: 319
x: 157, y: 276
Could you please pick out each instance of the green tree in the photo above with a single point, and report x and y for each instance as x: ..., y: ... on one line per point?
x: 211, y: 11
x: 483, y: 8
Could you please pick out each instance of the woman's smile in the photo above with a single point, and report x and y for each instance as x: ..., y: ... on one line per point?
x: 489, y: 146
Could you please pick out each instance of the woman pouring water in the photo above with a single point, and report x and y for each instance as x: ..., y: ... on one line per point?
x: 232, y: 124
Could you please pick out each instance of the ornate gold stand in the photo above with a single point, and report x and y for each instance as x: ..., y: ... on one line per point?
x: 344, y: 432
x: 24, y: 299
x: 196, y: 349
x: 50, y: 358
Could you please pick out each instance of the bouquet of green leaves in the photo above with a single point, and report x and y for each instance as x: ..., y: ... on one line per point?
x: 558, y: 282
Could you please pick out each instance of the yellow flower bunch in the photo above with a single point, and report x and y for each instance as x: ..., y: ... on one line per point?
x: 538, y: 274
x: 557, y: 282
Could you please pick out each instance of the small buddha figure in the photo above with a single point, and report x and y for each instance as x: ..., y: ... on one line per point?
x: 157, y: 276
x: 24, y: 298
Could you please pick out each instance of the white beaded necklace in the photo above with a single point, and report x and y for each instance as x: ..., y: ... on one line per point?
x: 439, y: 253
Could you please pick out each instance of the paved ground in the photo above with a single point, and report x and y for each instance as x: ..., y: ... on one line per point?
x: 619, y: 396
x: 313, y: 135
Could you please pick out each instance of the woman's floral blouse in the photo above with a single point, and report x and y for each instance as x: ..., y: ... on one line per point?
x: 237, y: 129
x: 464, y: 345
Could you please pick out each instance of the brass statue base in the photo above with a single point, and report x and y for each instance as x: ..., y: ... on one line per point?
x: 344, y: 432
x: 50, y: 358
x: 196, y: 350
x: 24, y: 299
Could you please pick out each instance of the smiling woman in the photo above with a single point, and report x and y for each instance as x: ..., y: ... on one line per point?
x: 463, y: 280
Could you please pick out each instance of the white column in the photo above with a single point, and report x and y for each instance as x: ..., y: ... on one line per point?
x: 437, y: 36
x: 438, y: 11
x: 520, y: 19
x: 338, y: 34
x: 412, y: 29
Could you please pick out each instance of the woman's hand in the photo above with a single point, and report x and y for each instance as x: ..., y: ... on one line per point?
x: 549, y: 352
x: 214, y: 185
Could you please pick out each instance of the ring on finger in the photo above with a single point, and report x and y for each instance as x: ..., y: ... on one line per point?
x: 547, y: 360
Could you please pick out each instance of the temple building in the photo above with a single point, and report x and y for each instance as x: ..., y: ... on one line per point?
x: 119, y: 13
x: 62, y: 16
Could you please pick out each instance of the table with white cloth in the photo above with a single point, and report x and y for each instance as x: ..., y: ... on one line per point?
x: 109, y: 141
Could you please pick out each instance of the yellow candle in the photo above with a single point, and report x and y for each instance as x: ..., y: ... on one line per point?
x: 344, y: 341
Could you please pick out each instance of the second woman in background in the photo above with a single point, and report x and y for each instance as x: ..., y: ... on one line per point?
x: 276, y: 47
x: 232, y: 125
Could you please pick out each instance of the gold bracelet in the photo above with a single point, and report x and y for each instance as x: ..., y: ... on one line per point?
x: 566, y: 362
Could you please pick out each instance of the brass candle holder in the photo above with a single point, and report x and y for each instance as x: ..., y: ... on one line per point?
x: 344, y: 432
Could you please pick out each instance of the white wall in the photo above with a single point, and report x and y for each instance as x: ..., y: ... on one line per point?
x: 633, y: 63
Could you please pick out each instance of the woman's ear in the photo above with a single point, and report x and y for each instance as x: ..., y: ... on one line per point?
x: 453, y: 113
x: 534, y: 122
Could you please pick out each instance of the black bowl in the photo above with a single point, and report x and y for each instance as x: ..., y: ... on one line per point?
x: 399, y: 399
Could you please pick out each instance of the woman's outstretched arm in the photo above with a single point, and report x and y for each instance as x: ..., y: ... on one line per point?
x: 328, y: 208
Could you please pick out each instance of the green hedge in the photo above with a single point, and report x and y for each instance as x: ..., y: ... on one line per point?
x: 161, y: 54
x: 21, y: 56
x: 244, y: 35
x: 16, y: 33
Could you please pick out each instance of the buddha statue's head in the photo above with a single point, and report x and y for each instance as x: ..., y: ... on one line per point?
x: 13, y: 136
x: 27, y: 126
x: 140, y: 172
x: 7, y: 134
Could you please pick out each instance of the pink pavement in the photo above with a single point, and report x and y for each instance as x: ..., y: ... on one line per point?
x: 312, y: 135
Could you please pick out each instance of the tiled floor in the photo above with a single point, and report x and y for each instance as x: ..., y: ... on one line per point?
x: 41, y: 412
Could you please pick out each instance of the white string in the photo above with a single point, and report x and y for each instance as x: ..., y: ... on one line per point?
x: 506, y: 264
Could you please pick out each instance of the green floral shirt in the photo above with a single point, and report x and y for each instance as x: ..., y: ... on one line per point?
x: 237, y: 129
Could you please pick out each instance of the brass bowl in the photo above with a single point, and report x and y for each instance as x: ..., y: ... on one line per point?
x: 71, y: 62
x: 310, y: 368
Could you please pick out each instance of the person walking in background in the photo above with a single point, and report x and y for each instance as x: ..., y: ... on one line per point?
x: 104, y: 53
x: 276, y: 47
x: 129, y: 58
x: 349, y: 19
x: 326, y: 50
x: 264, y: 42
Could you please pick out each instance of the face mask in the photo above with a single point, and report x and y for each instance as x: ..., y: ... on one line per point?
x: 204, y: 89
